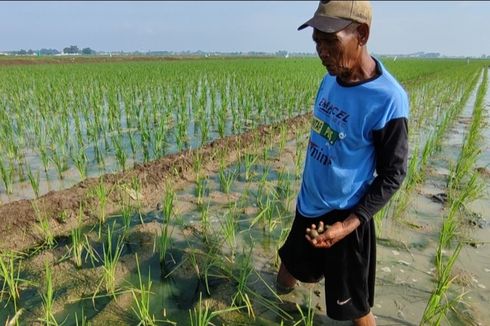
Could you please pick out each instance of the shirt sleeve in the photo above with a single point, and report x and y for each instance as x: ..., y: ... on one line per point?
x: 391, y: 148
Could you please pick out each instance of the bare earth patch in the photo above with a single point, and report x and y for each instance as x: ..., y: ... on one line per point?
x: 19, y: 231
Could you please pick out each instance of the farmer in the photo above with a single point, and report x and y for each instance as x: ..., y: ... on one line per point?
x: 356, y: 160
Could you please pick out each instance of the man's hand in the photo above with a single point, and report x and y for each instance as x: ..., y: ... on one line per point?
x: 333, y: 233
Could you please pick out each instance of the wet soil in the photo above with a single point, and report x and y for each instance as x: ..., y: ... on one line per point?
x: 19, y: 231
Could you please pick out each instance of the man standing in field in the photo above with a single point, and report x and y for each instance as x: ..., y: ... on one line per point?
x: 356, y: 160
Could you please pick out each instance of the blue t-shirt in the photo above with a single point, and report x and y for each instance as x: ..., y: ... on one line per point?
x: 340, y: 160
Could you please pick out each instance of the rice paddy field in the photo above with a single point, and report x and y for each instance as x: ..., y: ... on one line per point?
x: 153, y: 192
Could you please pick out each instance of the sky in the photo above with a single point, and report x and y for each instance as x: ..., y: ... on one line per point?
x: 454, y: 28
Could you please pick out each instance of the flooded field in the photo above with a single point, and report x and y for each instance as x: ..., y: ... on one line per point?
x: 189, y: 235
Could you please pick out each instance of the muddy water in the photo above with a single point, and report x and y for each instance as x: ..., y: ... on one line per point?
x: 405, y: 260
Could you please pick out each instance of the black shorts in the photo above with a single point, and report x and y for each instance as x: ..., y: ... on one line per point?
x: 348, y: 266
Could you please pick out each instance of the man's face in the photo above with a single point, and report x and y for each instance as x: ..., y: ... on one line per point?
x: 338, y: 51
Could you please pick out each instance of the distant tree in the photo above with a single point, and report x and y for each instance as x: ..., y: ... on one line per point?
x: 22, y: 52
x: 87, y: 51
x: 48, y: 51
x: 281, y: 53
x: 72, y: 49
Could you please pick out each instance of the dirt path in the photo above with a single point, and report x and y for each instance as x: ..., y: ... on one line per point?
x: 19, y: 230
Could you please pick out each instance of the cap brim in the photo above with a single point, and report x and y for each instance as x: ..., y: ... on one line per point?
x: 326, y: 24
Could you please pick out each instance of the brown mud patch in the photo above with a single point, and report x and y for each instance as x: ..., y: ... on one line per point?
x: 19, y: 230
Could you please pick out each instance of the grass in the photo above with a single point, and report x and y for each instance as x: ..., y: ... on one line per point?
x: 245, y: 269
x: 141, y: 300
x: 201, y: 189
x: 307, y: 318
x: 43, y: 226
x: 203, y: 316
x: 110, y: 258
x: 7, y: 174
x: 101, y: 193
x: 163, y: 243
x: 229, y: 230
x: 34, y: 180
x: 47, y: 297
x: 226, y: 178
x: 168, y: 204
x: 10, y: 267
x: 77, y: 240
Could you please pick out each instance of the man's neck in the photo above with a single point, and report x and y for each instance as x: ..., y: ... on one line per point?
x: 364, y: 69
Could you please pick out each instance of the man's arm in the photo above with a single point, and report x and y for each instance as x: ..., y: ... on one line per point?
x: 391, y: 147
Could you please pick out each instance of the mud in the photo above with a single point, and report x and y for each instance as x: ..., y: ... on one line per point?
x: 18, y: 230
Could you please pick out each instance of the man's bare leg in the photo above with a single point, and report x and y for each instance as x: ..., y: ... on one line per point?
x: 284, y: 279
x: 367, y: 320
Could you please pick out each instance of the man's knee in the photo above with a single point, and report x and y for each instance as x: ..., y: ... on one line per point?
x: 367, y: 320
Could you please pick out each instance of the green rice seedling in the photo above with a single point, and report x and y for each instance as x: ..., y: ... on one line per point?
x: 9, y: 273
x: 181, y: 136
x: 267, y: 212
x: 80, y: 160
x: 429, y: 149
x: 245, y: 270
x: 306, y: 317
x: 283, y: 132
x: 59, y: 160
x: 283, y: 187
x: 201, y: 188
x: 168, y: 203
x: 197, y: 161
x: 132, y: 143
x: 101, y: 193
x: 141, y: 299
x: 121, y: 156
x: 436, y: 308
x: 249, y: 160
x: 34, y: 179
x: 164, y: 242
x: 99, y: 156
x: 203, y: 316
x: 77, y: 240
x: 160, y: 139
x: 266, y: 153
x: 90, y: 252
x: 110, y: 259
x: 204, y: 217
x: 43, y: 155
x: 229, y: 228
x: 47, y: 297
x: 126, y: 214
x: 43, y: 225
x: 204, y: 131
x: 7, y: 176
x: 412, y: 177
x: 83, y: 319
x: 263, y: 179
x: 226, y: 178
x: 280, y: 241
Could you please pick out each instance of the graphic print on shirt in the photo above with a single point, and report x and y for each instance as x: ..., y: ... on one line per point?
x: 338, y: 116
x: 317, y: 153
x: 334, y: 116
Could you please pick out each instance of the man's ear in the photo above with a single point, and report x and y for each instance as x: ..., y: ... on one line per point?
x: 363, y: 33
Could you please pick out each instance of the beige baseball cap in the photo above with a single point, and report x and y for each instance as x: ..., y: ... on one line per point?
x: 332, y: 16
